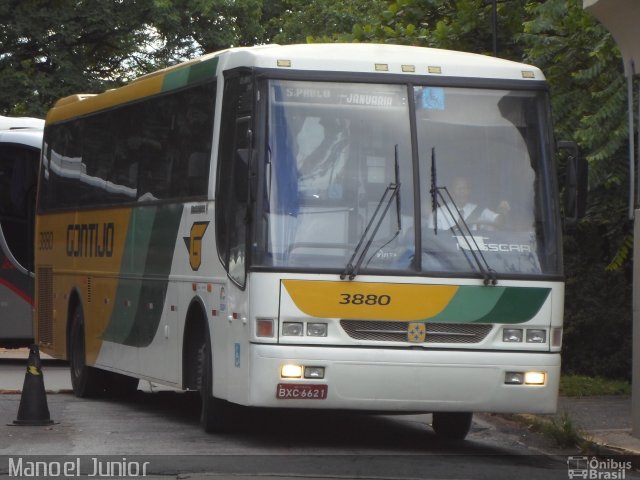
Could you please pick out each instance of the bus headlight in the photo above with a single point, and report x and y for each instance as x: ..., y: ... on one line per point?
x: 316, y: 329
x: 534, y: 378
x: 314, y: 372
x: 536, y: 336
x: 292, y: 329
x: 291, y: 371
x: 512, y: 335
x: 525, y: 378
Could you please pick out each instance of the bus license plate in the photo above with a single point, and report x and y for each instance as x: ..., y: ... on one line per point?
x: 290, y: 391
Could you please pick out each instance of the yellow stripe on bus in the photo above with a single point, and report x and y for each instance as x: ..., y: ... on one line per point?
x: 69, y: 109
x: 369, y: 301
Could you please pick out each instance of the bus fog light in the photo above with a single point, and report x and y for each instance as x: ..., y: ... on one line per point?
x: 535, y: 378
x: 514, y: 378
x: 292, y: 329
x: 291, y: 371
x: 313, y: 372
x: 512, y: 335
x: 316, y: 329
x: 536, y: 336
x: 264, y: 327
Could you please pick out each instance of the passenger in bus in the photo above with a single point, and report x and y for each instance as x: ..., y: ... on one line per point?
x: 475, y: 216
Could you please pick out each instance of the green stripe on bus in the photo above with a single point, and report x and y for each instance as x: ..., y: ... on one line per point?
x: 149, y: 251
x: 493, y: 305
x: 469, y: 304
x: 194, y: 73
x: 133, y: 264
x: 517, y: 305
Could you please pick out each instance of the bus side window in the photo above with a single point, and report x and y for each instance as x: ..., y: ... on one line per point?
x: 17, y: 200
x: 232, y: 180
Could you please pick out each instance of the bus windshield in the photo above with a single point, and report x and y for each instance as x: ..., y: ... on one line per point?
x: 480, y: 185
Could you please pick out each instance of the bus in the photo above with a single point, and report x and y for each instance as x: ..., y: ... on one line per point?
x: 20, y: 142
x: 265, y: 226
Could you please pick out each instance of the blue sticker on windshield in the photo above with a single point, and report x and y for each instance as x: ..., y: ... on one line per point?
x: 433, y: 98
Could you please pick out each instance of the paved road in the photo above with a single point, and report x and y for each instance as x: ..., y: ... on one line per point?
x: 162, y: 428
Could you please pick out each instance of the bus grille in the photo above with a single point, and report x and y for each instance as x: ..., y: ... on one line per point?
x: 381, y: 331
x: 45, y: 305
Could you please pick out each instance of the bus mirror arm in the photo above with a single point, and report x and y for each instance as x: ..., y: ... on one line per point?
x: 576, y: 183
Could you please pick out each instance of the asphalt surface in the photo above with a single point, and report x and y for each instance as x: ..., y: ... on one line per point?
x: 605, y: 421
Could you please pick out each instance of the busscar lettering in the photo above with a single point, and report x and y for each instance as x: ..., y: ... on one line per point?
x: 90, y: 239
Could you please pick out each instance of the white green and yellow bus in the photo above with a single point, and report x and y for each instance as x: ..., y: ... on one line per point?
x: 277, y: 226
x: 20, y: 142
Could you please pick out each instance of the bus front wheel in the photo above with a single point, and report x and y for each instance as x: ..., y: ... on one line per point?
x: 452, y: 425
x: 215, y: 413
x: 86, y: 381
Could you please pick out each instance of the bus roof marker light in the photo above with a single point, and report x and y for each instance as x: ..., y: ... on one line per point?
x: 408, y: 68
x: 528, y: 74
x: 382, y: 67
x: 284, y: 63
x: 434, y: 69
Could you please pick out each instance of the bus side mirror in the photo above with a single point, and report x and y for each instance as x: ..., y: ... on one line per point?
x: 576, y: 183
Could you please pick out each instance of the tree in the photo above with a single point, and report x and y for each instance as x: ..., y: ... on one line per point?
x: 194, y: 27
x: 321, y: 20
x: 54, y: 48
x: 57, y: 47
x: 585, y: 71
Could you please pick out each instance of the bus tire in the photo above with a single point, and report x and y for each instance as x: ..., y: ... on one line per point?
x: 215, y: 413
x: 452, y: 425
x: 86, y: 381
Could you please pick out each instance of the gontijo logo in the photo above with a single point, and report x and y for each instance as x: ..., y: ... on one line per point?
x: 194, y: 244
x: 90, y: 239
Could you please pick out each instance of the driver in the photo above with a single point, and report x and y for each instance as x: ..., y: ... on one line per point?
x: 476, y: 217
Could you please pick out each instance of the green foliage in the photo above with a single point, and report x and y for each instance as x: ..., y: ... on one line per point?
x: 53, y: 48
x: 321, y: 20
x: 584, y: 386
x: 563, y: 431
x: 56, y: 47
x: 597, y: 323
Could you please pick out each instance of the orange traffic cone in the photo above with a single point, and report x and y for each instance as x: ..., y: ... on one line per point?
x: 33, y: 408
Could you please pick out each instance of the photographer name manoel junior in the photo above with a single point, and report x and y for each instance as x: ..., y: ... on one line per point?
x: 77, y: 467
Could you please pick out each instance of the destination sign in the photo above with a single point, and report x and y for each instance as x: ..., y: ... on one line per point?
x: 361, y: 95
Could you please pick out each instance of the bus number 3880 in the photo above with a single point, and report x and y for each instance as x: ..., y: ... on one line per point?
x: 362, y: 299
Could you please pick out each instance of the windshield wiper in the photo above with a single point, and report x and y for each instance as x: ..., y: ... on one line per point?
x: 488, y: 274
x: 392, y: 191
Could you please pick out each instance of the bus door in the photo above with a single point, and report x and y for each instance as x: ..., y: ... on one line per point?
x: 232, y: 215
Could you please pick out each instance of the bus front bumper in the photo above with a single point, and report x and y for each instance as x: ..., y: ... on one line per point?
x: 395, y: 380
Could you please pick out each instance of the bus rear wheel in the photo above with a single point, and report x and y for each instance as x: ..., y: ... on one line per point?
x: 86, y: 381
x: 452, y: 425
x: 216, y: 415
